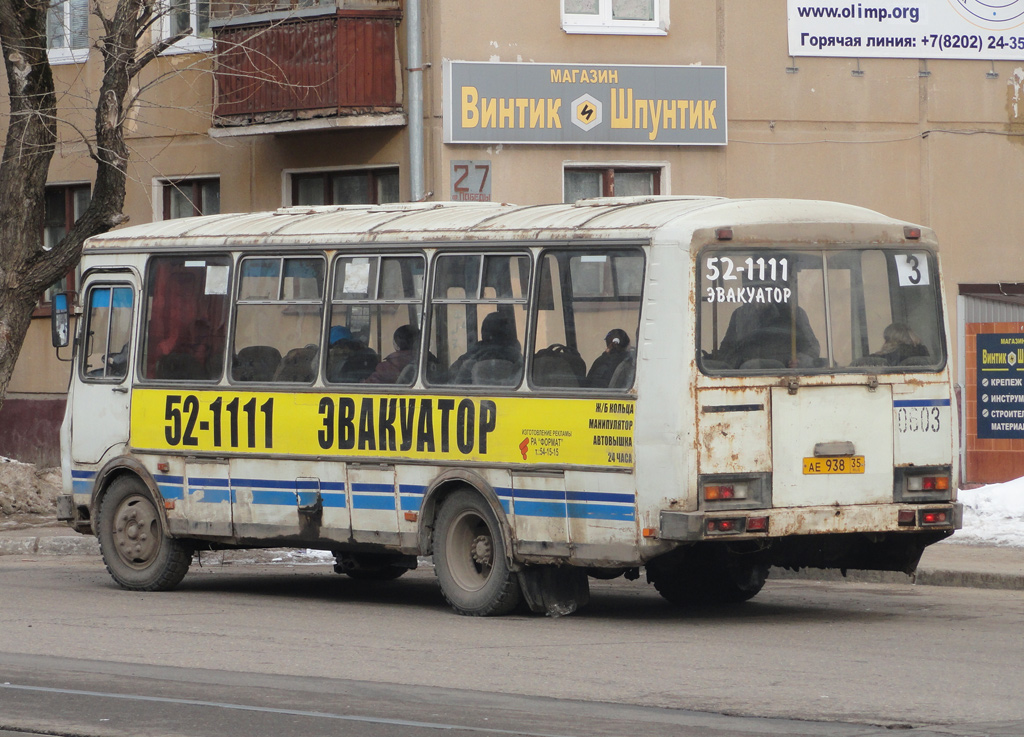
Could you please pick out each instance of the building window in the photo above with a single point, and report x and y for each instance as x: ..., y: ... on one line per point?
x: 349, y: 187
x: 185, y: 198
x: 64, y: 205
x: 604, y: 181
x: 182, y: 15
x: 67, y: 31
x: 638, y: 17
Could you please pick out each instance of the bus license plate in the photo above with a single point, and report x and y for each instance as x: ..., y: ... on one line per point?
x: 834, y: 464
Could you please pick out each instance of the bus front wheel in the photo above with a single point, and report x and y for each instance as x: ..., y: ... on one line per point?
x: 135, y: 547
x: 469, y: 558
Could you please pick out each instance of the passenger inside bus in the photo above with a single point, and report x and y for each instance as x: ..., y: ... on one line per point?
x: 349, y: 360
x: 390, y: 370
x: 614, y: 367
x: 902, y: 346
x: 494, y: 360
x: 769, y: 335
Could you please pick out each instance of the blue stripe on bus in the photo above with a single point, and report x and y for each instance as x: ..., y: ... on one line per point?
x: 211, y: 482
x: 540, y: 509
x: 367, y: 501
x: 374, y: 488
x: 171, y: 491
x: 274, y: 498
x: 410, y: 497
x: 381, y: 497
x: 600, y: 511
x: 333, y: 501
x: 920, y: 403
x: 82, y: 481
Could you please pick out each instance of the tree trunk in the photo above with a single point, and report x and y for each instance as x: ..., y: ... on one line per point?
x: 26, y: 268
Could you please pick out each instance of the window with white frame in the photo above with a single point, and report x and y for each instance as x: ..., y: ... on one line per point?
x: 182, y: 15
x: 637, y: 17
x: 584, y: 182
x: 67, y: 31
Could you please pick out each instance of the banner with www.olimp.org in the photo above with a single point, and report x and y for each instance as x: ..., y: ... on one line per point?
x: 496, y: 430
x: 507, y: 102
x: 987, y: 30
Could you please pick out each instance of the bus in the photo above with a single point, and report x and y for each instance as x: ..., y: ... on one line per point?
x: 695, y: 388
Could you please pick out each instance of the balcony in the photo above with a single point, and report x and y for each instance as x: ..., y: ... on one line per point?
x: 307, y: 68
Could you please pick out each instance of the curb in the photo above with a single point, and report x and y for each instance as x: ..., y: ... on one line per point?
x: 50, y: 545
x: 923, y: 577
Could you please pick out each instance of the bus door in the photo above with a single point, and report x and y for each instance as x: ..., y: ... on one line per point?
x: 102, y: 394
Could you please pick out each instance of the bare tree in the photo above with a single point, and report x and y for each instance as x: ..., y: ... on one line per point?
x: 27, y: 267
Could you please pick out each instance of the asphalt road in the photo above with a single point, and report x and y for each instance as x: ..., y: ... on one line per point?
x: 282, y: 650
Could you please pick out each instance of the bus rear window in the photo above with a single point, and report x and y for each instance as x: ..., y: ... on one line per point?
x: 776, y: 310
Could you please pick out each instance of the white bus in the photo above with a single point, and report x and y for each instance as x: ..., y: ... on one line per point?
x: 699, y: 388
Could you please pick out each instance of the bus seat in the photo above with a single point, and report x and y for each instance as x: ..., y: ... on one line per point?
x: 298, y: 365
x: 869, y: 361
x: 179, y: 366
x: 355, y: 367
x: 762, y: 363
x: 917, y: 361
x: 495, y: 372
x: 256, y: 363
x: 622, y: 378
x: 407, y: 374
x: 716, y: 365
x: 558, y: 365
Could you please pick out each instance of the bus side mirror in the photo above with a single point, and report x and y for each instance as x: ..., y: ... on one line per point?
x: 60, y: 322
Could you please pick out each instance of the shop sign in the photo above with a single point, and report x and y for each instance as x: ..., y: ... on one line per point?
x: 1000, y: 386
x: 504, y: 102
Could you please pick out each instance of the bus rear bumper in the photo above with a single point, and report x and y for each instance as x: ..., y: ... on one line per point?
x: 784, y: 522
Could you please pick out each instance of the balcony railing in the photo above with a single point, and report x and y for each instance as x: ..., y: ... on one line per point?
x: 311, y: 63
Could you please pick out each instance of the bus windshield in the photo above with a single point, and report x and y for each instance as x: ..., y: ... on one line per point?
x: 772, y: 309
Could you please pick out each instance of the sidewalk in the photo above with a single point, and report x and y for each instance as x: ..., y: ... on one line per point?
x: 943, y: 564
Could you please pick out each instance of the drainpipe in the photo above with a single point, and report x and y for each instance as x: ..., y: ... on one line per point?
x: 415, y: 53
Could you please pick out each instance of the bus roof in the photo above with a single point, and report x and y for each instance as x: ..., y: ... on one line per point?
x: 600, y: 218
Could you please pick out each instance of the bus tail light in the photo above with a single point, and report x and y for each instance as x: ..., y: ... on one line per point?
x: 935, y: 517
x: 906, y: 517
x: 757, y: 524
x: 927, y: 483
x: 724, y: 492
x: 726, y: 525
x: 911, y: 233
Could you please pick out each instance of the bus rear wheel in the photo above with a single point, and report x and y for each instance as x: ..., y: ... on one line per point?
x: 709, y: 576
x: 470, y: 558
x: 135, y: 547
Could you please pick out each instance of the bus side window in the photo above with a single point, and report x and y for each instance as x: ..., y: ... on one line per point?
x: 186, y: 317
x: 376, y: 312
x: 588, y: 316
x: 277, y: 319
x: 479, y: 318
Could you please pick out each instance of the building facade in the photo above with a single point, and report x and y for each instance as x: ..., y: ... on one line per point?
x: 910, y: 108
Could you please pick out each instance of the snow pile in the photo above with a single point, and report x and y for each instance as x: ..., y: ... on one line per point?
x: 993, y: 515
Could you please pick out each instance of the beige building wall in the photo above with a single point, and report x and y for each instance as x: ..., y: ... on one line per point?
x: 939, y: 142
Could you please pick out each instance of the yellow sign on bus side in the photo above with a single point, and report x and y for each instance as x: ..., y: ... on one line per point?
x: 500, y: 430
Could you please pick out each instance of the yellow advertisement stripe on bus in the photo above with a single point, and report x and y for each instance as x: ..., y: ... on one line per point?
x: 507, y: 430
